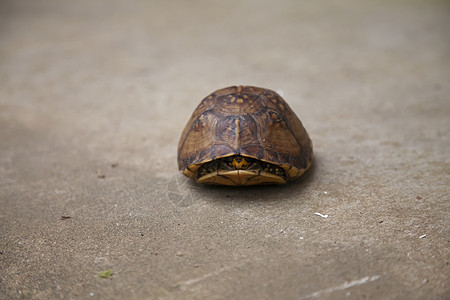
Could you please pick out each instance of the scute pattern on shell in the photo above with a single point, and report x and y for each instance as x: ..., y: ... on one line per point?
x: 249, y: 121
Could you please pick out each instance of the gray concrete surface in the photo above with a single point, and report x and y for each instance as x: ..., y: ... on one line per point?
x: 93, y: 98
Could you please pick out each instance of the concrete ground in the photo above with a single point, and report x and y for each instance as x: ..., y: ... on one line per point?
x: 94, y: 96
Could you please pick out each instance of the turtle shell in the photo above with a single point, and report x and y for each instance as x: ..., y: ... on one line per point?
x: 250, y: 122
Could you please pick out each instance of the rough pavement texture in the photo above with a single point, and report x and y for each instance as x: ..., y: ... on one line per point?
x: 94, y: 96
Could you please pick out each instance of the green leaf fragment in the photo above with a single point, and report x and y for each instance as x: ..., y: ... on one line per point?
x: 106, y: 274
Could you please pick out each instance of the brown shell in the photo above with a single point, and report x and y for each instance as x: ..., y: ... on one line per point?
x: 249, y: 121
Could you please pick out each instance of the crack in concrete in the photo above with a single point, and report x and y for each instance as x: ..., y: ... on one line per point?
x: 343, y: 286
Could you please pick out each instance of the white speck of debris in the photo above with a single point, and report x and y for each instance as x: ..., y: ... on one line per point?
x: 423, y: 236
x: 321, y: 215
x: 91, y: 294
x: 325, y: 192
x: 301, y: 238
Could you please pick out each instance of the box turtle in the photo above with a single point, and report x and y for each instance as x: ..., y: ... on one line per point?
x: 244, y: 135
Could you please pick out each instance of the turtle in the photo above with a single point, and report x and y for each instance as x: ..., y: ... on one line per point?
x: 244, y: 135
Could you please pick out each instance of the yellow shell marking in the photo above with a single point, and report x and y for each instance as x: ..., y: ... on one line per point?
x: 239, y: 163
x: 241, y: 177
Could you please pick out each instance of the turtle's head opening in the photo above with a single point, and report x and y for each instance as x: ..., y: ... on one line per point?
x: 238, y: 163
